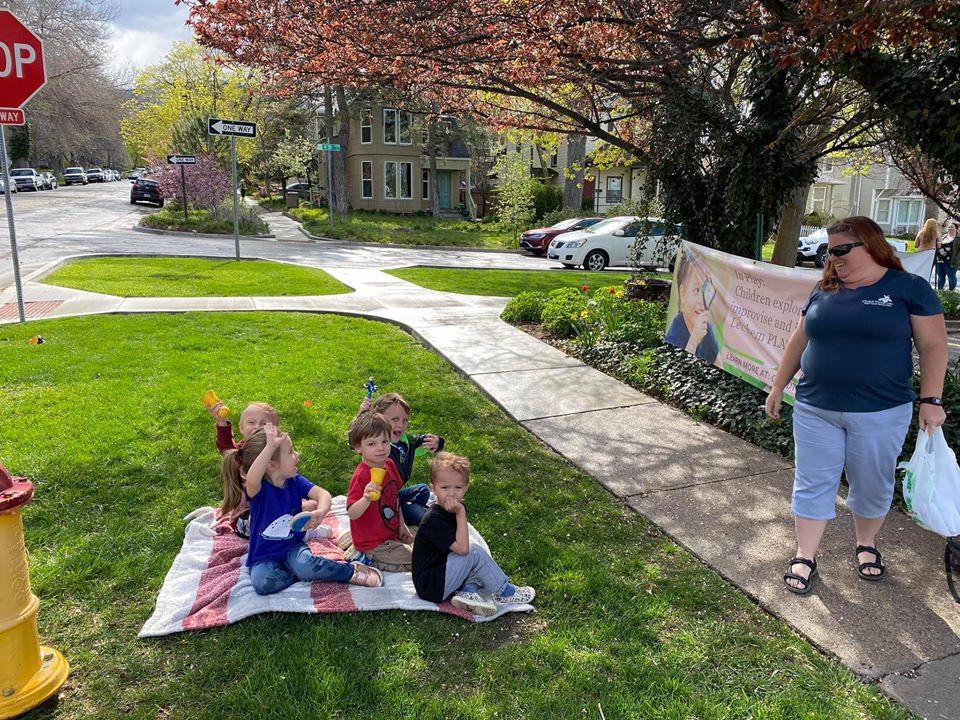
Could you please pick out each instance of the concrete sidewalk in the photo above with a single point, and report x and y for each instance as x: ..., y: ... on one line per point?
x: 724, y: 499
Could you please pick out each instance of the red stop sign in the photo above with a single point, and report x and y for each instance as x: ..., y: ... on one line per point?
x: 21, y: 62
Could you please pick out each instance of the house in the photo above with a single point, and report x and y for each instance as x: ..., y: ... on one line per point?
x: 883, y: 194
x: 388, y: 168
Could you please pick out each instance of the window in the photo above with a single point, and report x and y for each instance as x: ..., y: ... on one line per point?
x: 614, y: 189
x: 425, y: 183
x: 424, y: 133
x: 366, y: 126
x: 366, y: 180
x: 553, y: 158
x: 819, y: 201
x: 397, y: 177
x: 396, y: 127
x: 883, y: 212
x: 908, y: 213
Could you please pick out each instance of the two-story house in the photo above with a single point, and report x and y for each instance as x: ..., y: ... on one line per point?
x: 388, y: 167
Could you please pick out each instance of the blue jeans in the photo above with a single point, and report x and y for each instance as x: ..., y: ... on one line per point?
x: 272, y: 576
x: 476, y: 568
x: 413, y: 503
x: 946, y: 271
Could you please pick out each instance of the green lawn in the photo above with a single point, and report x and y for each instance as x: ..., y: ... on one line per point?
x: 373, y: 227
x: 504, y: 283
x: 192, y: 277
x: 106, y: 418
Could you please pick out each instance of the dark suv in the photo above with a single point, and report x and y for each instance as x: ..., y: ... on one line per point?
x: 144, y: 189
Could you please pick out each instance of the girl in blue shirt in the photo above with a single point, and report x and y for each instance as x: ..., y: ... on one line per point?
x: 264, y: 470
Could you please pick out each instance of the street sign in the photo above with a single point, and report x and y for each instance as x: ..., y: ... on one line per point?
x: 22, y: 72
x: 236, y: 128
x: 331, y: 147
x: 11, y: 116
x: 181, y: 159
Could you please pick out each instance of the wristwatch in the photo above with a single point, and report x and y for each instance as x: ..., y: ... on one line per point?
x: 931, y: 401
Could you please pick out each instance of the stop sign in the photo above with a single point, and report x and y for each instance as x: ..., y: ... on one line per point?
x: 21, y: 62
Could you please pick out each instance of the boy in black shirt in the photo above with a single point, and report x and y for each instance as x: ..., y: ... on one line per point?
x: 444, y: 561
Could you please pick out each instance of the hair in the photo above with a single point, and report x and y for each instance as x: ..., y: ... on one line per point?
x: 930, y: 232
x: 271, y: 412
x: 384, y: 402
x: 365, y: 425
x: 234, y: 467
x: 449, y: 461
x: 864, y: 230
x: 683, y: 273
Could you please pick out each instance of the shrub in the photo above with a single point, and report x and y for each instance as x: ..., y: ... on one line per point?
x: 950, y: 300
x: 641, y: 207
x: 818, y: 219
x: 527, y: 307
x: 552, y: 218
x: 488, y: 219
x: 562, y: 306
x: 546, y: 199
x: 208, y: 184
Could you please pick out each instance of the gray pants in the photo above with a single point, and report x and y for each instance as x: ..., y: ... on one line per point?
x: 476, y: 568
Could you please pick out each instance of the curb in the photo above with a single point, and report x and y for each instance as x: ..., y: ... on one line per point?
x: 358, y: 243
x: 188, y: 233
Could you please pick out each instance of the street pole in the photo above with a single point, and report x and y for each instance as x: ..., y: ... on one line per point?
x: 330, y: 187
x: 13, y: 234
x: 236, y: 209
x: 183, y: 186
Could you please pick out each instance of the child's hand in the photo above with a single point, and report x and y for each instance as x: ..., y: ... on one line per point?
x: 274, y: 437
x: 213, y: 410
x: 315, y: 520
x: 371, y: 487
x: 364, y: 406
x: 452, y: 505
x: 431, y: 443
x: 405, y: 536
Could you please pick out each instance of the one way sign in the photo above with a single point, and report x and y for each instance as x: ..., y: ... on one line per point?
x: 181, y: 159
x: 237, y: 128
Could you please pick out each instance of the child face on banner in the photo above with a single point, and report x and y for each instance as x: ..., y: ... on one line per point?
x: 691, y: 293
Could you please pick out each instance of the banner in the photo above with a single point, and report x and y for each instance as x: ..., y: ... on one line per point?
x: 738, y: 314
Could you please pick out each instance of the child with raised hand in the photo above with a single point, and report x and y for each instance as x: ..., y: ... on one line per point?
x: 264, y: 471
x: 377, y: 528
x: 254, y: 417
x: 444, y: 561
x: 404, y: 449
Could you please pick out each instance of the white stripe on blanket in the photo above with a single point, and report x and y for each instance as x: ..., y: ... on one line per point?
x: 209, y: 584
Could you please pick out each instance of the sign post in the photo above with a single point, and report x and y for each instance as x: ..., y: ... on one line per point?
x: 183, y: 160
x: 330, y: 147
x: 22, y: 74
x: 233, y: 129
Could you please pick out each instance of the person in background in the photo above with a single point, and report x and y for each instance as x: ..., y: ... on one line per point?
x: 927, y: 237
x: 948, y: 256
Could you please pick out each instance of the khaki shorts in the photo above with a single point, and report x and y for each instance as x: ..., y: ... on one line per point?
x: 392, y: 556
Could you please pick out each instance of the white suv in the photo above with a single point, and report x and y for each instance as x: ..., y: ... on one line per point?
x: 27, y: 179
x: 609, y: 243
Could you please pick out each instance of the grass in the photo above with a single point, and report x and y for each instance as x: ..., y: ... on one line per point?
x: 192, y: 277
x: 219, y: 220
x: 105, y: 417
x: 374, y: 227
x: 503, y: 283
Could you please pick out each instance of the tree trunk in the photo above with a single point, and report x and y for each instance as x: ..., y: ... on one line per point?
x: 432, y: 156
x: 340, y: 158
x: 573, y: 186
x: 788, y: 232
x: 328, y: 123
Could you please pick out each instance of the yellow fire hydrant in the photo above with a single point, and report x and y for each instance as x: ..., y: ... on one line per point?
x: 29, y: 673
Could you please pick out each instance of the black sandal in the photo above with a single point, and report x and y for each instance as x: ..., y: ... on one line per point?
x: 806, y: 581
x: 878, y: 563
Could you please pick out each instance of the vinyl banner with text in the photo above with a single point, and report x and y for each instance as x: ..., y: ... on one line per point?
x: 738, y: 314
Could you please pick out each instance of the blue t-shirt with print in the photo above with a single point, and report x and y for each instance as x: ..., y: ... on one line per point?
x: 270, y: 504
x: 679, y: 335
x: 858, y: 355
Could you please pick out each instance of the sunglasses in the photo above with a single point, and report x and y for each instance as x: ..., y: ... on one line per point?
x: 841, y: 250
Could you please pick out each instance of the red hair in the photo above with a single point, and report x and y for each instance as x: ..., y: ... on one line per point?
x: 864, y: 230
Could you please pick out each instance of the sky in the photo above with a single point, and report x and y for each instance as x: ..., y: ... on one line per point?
x: 145, y: 30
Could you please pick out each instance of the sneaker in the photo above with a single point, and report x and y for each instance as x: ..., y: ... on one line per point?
x: 318, y: 533
x: 473, y: 602
x: 521, y: 596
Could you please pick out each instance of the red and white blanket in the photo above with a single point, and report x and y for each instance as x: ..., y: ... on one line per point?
x: 209, y: 584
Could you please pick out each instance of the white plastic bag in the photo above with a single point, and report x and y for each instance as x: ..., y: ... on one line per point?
x: 931, y: 485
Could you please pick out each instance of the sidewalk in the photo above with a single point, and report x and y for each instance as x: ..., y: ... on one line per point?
x: 724, y: 499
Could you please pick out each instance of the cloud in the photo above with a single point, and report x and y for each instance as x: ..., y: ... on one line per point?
x: 133, y: 47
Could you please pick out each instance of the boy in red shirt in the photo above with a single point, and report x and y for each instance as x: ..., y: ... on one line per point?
x: 377, y: 528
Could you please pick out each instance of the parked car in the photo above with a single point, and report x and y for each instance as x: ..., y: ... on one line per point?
x: 813, y: 248
x: 49, y: 180
x: 74, y: 176
x: 95, y: 174
x: 147, y: 190
x: 302, y: 189
x: 13, y: 187
x: 538, y: 240
x: 27, y: 179
x: 609, y: 243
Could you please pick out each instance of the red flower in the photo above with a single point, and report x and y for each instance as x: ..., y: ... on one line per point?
x: 613, y: 291
x: 583, y: 288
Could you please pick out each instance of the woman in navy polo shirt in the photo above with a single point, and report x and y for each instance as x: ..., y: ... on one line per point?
x: 854, y: 401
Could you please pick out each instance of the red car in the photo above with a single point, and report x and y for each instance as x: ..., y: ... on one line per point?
x: 538, y: 240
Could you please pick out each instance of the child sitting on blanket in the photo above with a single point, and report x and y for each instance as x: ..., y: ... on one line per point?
x: 444, y: 561
x: 254, y: 417
x: 403, y: 449
x: 264, y: 471
x: 377, y: 529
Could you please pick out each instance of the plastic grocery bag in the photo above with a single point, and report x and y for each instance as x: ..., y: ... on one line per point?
x: 931, y: 485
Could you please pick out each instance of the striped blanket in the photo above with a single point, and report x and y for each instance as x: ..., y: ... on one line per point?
x: 209, y: 584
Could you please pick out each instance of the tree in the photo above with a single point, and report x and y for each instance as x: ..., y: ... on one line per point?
x: 515, y: 191
x: 292, y: 158
x: 208, y: 184
x: 20, y: 144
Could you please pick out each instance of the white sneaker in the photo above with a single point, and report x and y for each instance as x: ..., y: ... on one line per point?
x: 523, y: 595
x: 473, y: 602
x: 318, y: 533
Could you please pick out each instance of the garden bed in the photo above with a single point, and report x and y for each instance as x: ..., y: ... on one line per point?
x: 217, y: 221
